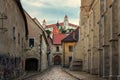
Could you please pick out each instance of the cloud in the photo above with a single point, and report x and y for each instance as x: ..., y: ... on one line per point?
x: 53, y: 10
x: 35, y: 3
x: 52, y: 3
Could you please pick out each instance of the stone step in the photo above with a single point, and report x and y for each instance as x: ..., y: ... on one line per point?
x: 76, y: 65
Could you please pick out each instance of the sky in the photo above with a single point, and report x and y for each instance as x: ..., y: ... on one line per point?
x: 53, y: 11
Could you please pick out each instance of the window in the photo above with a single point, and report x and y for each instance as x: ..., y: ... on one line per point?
x: 70, y: 48
x: 18, y: 38
x: 13, y: 33
x: 57, y: 48
x: 22, y: 43
x: 31, y: 42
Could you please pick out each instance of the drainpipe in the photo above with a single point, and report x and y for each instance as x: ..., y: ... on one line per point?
x: 64, y: 54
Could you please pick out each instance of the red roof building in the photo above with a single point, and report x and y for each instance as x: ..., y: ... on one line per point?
x: 57, y: 38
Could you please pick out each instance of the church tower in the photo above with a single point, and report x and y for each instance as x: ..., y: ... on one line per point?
x: 44, y: 24
x: 66, y: 21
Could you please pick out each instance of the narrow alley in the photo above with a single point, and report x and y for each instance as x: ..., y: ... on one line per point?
x: 55, y: 73
x: 59, y: 39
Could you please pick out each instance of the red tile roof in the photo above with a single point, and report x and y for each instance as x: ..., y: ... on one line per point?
x: 61, y: 24
x: 58, y: 37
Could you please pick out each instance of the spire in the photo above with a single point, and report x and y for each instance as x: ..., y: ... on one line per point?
x: 66, y: 16
x: 44, y: 23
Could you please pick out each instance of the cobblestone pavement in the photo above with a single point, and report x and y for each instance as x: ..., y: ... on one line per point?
x: 83, y: 75
x: 56, y: 73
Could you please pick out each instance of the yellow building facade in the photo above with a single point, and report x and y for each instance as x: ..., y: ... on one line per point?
x: 67, y: 52
x: 68, y: 45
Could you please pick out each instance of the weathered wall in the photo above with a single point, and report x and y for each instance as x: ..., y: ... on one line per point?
x: 13, y: 37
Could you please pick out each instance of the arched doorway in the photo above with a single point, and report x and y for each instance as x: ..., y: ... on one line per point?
x: 57, y: 60
x: 31, y: 64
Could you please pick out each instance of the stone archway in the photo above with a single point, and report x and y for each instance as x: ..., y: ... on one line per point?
x: 31, y: 64
x: 57, y: 60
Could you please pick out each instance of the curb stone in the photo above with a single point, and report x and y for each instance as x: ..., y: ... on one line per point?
x: 71, y: 74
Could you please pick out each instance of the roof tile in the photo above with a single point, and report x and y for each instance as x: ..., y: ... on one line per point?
x: 58, y: 37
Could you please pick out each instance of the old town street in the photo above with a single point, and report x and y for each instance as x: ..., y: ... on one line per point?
x: 56, y: 73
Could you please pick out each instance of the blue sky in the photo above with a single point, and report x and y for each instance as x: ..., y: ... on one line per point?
x: 53, y: 10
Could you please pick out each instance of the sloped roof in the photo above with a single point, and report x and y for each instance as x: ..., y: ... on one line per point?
x: 58, y: 37
x: 32, y: 29
x: 40, y: 26
x: 73, y: 37
x: 22, y: 11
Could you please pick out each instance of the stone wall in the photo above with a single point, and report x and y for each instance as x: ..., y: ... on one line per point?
x: 13, y: 38
x: 99, y: 45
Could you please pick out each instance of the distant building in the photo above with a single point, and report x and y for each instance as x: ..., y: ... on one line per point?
x: 57, y: 32
x: 63, y: 27
x: 57, y: 48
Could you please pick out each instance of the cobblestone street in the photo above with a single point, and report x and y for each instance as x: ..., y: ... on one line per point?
x: 56, y: 73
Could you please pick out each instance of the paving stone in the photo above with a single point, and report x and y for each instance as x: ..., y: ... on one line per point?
x: 83, y: 75
x: 56, y: 73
